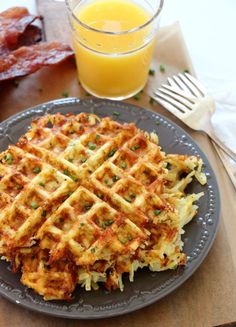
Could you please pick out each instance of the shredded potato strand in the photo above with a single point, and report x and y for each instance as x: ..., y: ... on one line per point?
x: 84, y: 200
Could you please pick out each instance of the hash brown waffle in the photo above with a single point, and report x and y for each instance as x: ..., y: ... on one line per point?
x: 84, y: 200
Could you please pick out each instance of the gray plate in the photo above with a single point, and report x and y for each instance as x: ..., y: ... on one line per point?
x: 148, y: 287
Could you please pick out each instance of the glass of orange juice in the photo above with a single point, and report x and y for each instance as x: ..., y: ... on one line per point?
x: 113, y: 42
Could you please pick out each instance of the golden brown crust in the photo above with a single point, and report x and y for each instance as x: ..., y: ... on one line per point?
x: 85, y: 199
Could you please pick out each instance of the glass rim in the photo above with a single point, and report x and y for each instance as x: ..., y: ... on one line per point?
x: 134, y: 29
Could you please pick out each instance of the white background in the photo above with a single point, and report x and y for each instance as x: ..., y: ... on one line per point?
x: 209, y: 28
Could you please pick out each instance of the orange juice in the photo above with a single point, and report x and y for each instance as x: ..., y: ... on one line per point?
x: 113, y: 53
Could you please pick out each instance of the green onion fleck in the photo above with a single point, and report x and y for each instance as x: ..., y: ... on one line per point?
x: 93, y: 250
x: 34, y: 205
x: 72, y: 132
x: 97, y: 137
x: 9, y: 159
x: 123, y: 165
x: 162, y: 68
x: 82, y: 224
x: 135, y: 147
x: 151, y: 72
x: 137, y: 96
x: 65, y: 94
x: 186, y: 71
x: 83, y: 159
x: 42, y: 184
x: 36, y: 170
x: 116, y: 113
x: 100, y: 195
x: 151, y: 100
x: 72, y: 176
x: 115, y: 178
x: 91, y: 146
x: 44, y: 213
x: 112, y: 152
x: 128, y: 199
x: 107, y: 223
x: 66, y: 172
x: 157, y: 212
x: 130, y: 238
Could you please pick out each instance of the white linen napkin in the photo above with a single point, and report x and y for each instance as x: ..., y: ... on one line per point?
x: 224, y: 119
x: 224, y: 122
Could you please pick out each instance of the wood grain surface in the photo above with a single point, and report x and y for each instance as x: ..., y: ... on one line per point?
x: 208, y: 298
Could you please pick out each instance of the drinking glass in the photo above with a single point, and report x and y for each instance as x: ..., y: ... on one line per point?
x: 112, y: 63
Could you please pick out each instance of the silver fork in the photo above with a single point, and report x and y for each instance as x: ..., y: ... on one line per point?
x: 188, y: 100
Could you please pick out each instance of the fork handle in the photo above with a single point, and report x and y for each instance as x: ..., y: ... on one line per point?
x: 229, y: 167
x: 222, y: 145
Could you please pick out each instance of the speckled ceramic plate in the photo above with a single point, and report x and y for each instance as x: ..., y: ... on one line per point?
x: 148, y: 286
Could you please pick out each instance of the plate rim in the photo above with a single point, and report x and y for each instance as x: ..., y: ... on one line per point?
x: 172, y: 287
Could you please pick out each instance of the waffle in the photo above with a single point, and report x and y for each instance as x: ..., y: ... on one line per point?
x: 84, y: 200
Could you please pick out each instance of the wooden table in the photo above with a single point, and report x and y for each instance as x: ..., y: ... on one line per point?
x: 208, y: 298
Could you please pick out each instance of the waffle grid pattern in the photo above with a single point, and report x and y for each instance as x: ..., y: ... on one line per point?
x: 85, y: 200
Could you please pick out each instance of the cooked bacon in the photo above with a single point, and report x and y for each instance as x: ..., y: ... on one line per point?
x: 27, y: 60
x: 13, y: 23
x: 19, y: 55
x: 31, y: 35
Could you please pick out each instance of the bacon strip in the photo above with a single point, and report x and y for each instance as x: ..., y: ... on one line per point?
x: 27, y: 60
x: 31, y: 35
x: 13, y: 23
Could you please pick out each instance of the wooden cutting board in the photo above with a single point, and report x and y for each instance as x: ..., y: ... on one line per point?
x: 208, y: 298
